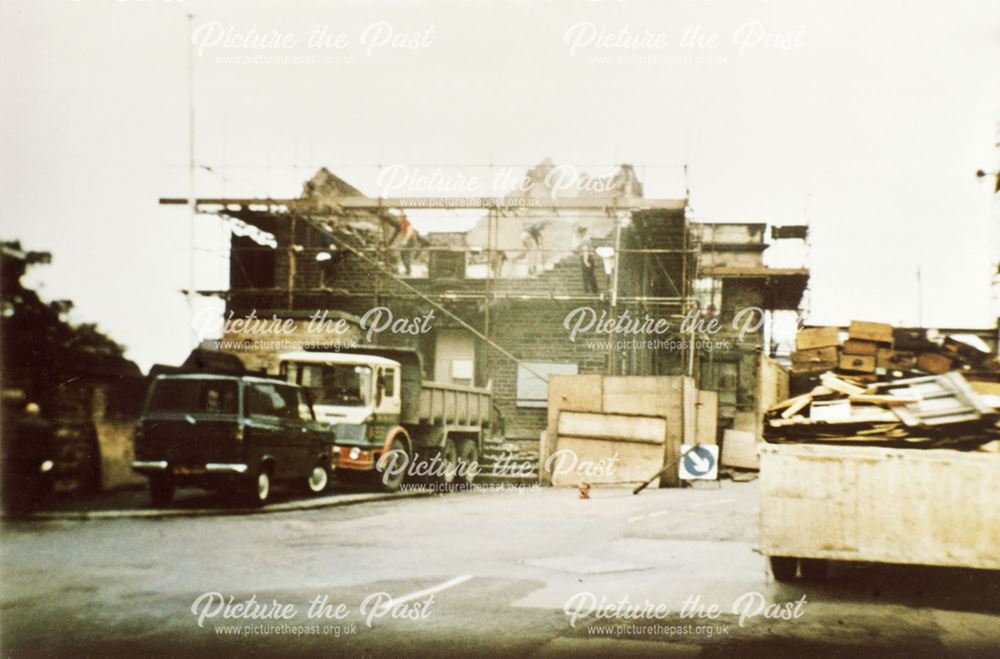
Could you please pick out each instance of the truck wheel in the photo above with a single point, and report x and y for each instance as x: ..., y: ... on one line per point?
x: 783, y: 567
x: 813, y: 569
x: 319, y: 479
x: 391, y: 481
x: 161, y: 490
x: 449, y: 463
x: 259, y: 486
x: 468, y: 461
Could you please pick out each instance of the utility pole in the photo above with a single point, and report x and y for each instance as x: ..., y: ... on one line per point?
x: 613, y: 294
x: 920, y: 299
x: 192, y: 204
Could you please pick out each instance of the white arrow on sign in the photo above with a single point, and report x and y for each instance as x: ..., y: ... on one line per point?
x: 699, y: 462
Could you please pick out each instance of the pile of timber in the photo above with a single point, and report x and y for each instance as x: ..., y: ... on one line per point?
x: 888, y: 387
x: 877, y: 349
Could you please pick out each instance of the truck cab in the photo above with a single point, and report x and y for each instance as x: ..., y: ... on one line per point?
x: 359, y: 396
x: 386, y: 419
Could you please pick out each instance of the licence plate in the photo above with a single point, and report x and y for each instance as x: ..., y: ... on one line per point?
x: 189, y: 471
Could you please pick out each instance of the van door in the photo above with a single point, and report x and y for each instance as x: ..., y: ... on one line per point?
x: 316, y: 438
x: 303, y: 442
x: 269, y: 432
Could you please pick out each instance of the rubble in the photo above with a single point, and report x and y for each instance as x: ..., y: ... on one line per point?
x: 888, y: 387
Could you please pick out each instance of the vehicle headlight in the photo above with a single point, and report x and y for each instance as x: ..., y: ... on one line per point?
x: 46, y: 466
x: 355, y: 452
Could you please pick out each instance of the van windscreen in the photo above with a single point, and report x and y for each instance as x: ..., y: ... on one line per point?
x: 193, y: 396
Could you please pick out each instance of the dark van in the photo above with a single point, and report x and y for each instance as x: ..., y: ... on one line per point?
x: 230, y: 434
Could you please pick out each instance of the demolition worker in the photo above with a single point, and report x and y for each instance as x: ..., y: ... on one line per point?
x: 409, y: 245
x: 531, y: 239
x: 588, y: 260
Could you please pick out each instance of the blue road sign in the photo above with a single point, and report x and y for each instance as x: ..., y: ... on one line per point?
x: 699, y: 462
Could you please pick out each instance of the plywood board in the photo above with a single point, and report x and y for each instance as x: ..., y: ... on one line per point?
x: 739, y: 450
x: 917, y: 506
x: 670, y: 397
x: 568, y: 393
x: 603, y: 462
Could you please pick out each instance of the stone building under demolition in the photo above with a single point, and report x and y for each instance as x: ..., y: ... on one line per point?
x: 503, y: 305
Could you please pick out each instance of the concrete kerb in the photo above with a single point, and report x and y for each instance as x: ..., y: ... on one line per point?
x: 288, y: 506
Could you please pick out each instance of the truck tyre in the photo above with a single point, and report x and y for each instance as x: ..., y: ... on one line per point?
x: 258, y: 488
x: 161, y: 490
x: 813, y: 569
x: 468, y: 461
x: 449, y: 463
x: 784, y: 567
x: 392, y: 482
x: 319, y: 479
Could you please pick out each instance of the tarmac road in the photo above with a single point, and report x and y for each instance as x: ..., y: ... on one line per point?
x: 471, y: 574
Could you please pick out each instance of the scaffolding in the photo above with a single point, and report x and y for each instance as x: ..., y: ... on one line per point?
x: 386, y: 213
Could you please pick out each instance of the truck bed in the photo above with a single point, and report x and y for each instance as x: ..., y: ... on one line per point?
x: 918, y: 506
x: 453, y: 405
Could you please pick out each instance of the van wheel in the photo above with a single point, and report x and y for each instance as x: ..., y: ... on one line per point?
x: 784, y: 567
x: 468, y: 461
x: 259, y: 487
x: 319, y: 479
x: 161, y: 490
x: 391, y: 481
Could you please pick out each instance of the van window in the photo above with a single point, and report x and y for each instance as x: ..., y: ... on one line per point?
x: 266, y: 399
x: 194, y: 396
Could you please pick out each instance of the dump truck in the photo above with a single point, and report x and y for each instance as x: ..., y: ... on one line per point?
x: 873, y: 504
x: 390, y: 423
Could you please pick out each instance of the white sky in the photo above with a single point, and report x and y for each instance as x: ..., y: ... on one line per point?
x: 872, y: 126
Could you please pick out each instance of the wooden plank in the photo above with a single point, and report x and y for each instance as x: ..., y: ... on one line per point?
x: 707, y: 417
x: 796, y: 405
x: 875, y: 399
x: 627, y: 428
x: 831, y: 381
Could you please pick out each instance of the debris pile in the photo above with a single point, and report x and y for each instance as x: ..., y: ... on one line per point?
x: 889, y: 387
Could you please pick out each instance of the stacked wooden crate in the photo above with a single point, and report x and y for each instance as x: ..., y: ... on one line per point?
x: 877, y: 351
